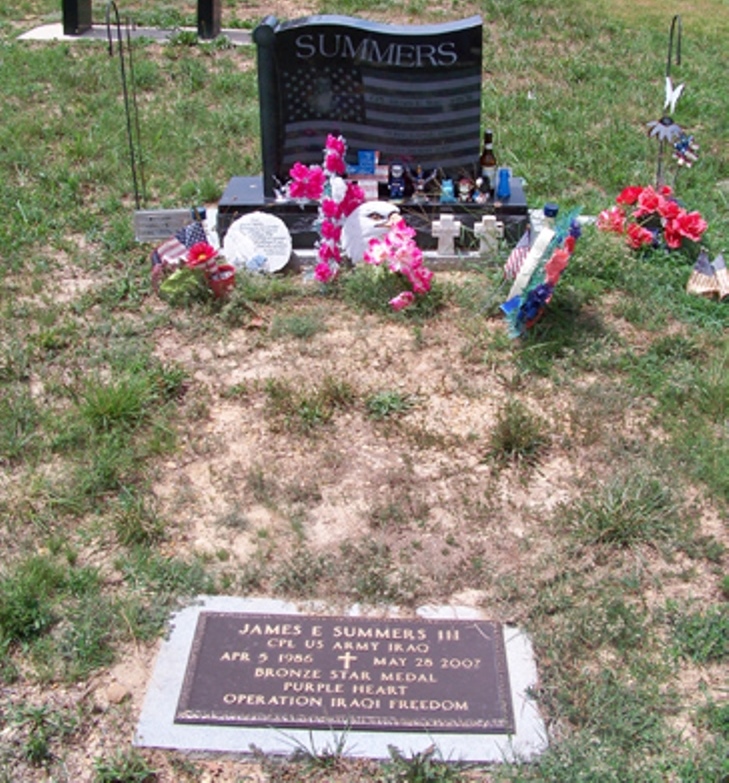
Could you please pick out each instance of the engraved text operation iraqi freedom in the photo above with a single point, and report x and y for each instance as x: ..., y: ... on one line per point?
x: 368, y: 50
x: 347, y: 639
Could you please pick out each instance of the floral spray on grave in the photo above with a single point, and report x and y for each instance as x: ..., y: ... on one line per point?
x: 538, y: 271
x: 653, y: 217
x: 338, y: 199
x: 353, y: 229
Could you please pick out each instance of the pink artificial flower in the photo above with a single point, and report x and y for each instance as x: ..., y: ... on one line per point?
x: 329, y: 251
x: 377, y: 252
x: 334, y: 164
x: 324, y: 273
x: 306, y: 181
x: 335, y: 145
x: 353, y: 197
x: 629, y: 195
x: 420, y: 278
x: 556, y: 265
x: 403, y: 300
x: 638, y: 236
x: 331, y: 230
x: 331, y: 209
x: 612, y: 219
x: 691, y: 225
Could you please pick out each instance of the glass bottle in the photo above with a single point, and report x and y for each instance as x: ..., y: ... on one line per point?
x: 487, y: 162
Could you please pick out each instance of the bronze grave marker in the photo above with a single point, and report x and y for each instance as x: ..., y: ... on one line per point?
x: 347, y: 673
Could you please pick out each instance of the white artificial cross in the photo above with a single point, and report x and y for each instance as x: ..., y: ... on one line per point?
x: 446, y: 230
x: 489, y: 231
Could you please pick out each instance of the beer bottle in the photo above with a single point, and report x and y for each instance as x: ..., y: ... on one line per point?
x: 487, y: 162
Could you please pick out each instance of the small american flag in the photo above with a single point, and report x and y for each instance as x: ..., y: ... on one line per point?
x: 517, y: 256
x: 191, y: 234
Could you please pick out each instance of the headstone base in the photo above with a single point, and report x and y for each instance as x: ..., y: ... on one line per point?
x: 245, y: 194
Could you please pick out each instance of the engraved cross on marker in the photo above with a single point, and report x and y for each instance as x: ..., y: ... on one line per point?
x: 347, y: 658
x: 489, y: 231
x: 446, y: 230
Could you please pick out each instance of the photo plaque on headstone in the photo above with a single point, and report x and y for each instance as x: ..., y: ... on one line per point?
x: 347, y: 673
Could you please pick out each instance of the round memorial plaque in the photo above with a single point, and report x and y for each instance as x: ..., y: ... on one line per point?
x: 258, y: 241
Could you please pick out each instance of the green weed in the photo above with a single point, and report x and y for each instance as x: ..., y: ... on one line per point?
x: 371, y: 576
x: 306, y: 410
x: 301, y: 573
x: 166, y: 577
x: 388, y: 403
x: 702, y: 637
x: 423, y: 767
x: 42, y: 729
x: 20, y: 424
x: 626, y: 510
x: 518, y: 435
x: 124, y: 766
x: 134, y: 521
x: 27, y: 597
x: 301, y: 326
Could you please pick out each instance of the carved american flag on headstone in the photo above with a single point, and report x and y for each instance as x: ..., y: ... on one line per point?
x: 411, y: 92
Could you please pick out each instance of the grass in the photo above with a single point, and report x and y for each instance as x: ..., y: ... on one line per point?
x: 315, y: 445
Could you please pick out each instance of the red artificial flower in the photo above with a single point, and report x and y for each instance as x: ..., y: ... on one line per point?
x: 691, y: 225
x: 420, y: 278
x: 669, y: 209
x: 648, y: 201
x: 638, y: 236
x: 612, y: 219
x: 629, y: 195
x: 200, y: 253
x: 556, y: 265
x: 672, y: 234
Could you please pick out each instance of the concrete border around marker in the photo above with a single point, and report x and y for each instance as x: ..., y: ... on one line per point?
x: 157, y: 729
x: 54, y: 32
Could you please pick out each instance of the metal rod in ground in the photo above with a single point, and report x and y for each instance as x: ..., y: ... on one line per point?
x: 111, y: 6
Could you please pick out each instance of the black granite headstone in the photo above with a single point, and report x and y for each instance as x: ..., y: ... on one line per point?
x: 413, y: 93
x: 76, y: 16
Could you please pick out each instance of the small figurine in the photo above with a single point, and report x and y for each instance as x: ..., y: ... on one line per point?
x: 420, y: 182
x: 481, y: 193
x: 447, y: 192
x: 396, y: 181
x: 465, y: 189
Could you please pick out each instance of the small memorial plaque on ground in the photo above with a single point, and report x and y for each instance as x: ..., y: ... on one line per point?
x: 348, y: 673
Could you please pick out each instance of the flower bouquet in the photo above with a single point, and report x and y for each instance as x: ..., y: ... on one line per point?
x: 539, y: 274
x: 198, y: 275
x: 397, y: 253
x: 338, y: 198
x: 651, y: 218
